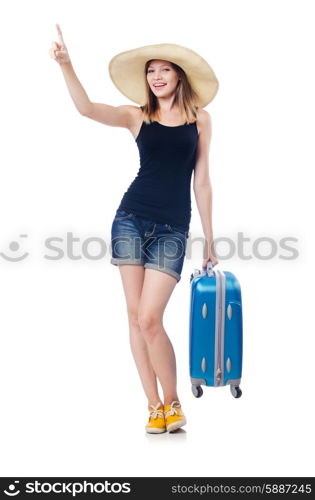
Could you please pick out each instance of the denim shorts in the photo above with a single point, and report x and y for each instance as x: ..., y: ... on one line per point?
x: 135, y: 240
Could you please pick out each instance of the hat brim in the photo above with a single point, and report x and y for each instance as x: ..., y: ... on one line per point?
x: 127, y: 71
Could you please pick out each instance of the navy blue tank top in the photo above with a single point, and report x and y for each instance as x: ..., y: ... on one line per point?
x: 161, y: 190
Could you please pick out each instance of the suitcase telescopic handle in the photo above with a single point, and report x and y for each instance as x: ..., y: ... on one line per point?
x: 209, y: 268
x: 208, y: 271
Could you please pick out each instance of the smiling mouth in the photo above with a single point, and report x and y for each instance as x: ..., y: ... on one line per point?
x: 159, y: 86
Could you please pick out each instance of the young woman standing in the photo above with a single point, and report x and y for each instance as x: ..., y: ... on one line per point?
x: 150, y: 228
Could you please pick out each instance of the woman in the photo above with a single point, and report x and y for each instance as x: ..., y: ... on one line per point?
x: 151, y: 225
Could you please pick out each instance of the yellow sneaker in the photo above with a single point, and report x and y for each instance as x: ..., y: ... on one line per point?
x: 156, y: 423
x: 174, y: 417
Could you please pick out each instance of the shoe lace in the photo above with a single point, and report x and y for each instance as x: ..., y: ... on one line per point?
x: 155, y: 413
x: 172, y: 410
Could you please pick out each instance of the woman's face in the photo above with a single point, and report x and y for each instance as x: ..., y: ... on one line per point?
x: 162, y: 78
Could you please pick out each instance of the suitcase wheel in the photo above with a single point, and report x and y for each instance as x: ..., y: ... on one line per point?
x: 197, y: 391
x: 236, y: 391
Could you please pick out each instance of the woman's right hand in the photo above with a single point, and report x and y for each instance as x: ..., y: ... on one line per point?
x: 58, y: 51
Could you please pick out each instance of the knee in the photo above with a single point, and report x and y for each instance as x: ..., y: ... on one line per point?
x: 133, y: 319
x: 150, y: 325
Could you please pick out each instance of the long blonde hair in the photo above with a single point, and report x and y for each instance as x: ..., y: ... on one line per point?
x: 185, y: 98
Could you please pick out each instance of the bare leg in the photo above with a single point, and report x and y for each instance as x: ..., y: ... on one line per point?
x: 156, y: 291
x: 132, y: 279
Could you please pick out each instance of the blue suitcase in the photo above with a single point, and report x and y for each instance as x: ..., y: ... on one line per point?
x: 216, y: 330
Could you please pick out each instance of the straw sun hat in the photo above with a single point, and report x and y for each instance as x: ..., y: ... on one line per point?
x: 126, y: 70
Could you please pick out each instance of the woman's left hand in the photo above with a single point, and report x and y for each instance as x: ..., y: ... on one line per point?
x: 209, y: 255
x: 213, y: 259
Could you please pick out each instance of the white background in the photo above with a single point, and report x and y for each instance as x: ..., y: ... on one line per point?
x: 71, y: 399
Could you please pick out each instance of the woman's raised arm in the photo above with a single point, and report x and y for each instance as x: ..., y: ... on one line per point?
x: 116, y: 116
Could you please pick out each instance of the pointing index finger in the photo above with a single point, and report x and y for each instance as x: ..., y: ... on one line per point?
x: 60, y: 35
